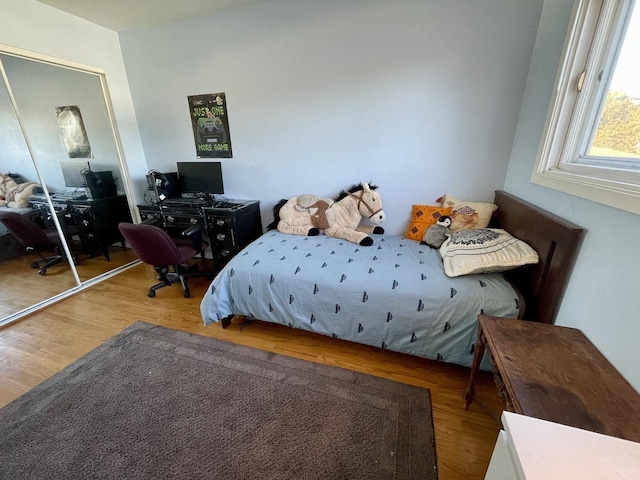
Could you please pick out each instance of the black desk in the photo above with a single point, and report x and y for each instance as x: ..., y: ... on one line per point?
x: 230, y: 225
x: 231, y: 228
x: 96, y: 220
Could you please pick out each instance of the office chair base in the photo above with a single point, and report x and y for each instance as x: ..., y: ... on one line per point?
x: 167, y: 280
x: 46, y: 262
x: 181, y: 274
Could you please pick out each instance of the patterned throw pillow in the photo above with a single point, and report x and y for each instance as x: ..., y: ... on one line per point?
x: 484, y: 250
x: 423, y: 216
x: 467, y: 215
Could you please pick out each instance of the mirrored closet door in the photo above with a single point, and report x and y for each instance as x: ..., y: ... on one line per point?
x: 23, y: 286
x: 59, y: 143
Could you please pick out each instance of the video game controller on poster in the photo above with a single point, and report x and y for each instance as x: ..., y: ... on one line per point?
x: 211, y: 130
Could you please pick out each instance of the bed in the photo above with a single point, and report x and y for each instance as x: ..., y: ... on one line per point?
x: 394, y: 294
x: 9, y: 183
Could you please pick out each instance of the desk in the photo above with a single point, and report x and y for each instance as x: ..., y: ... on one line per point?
x: 555, y: 373
x: 96, y: 220
x: 230, y: 226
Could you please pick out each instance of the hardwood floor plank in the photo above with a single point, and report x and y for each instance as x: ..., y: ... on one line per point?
x: 37, y: 346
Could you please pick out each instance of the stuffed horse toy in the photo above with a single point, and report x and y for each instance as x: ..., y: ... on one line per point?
x: 309, y: 214
x: 15, y: 195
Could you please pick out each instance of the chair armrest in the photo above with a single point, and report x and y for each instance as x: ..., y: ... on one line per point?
x: 190, y: 231
x: 194, y: 233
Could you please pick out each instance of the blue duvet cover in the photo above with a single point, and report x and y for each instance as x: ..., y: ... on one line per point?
x: 393, y: 294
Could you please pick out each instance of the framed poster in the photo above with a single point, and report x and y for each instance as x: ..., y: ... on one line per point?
x: 210, y: 125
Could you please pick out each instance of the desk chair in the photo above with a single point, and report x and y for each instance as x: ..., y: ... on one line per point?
x: 155, y: 247
x: 36, y: 239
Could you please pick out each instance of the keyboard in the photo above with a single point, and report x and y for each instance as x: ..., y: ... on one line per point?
x: 68, y: 196
x: 59, y: 197
x: 225, y: 204
x: 195, y: 202
x: 198, y: 202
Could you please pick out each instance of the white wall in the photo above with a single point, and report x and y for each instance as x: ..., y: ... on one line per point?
x: 14, y: 155
x: 33, y: 26
x: 419, y: 96
x: 602, y: 299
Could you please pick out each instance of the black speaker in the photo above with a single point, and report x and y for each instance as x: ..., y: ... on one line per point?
x: 163, y: 185
x: 99, y: 184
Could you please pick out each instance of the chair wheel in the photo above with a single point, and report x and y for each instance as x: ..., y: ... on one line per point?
x: 42, y: 271
x: 187, y: 294
x: 151, y: 293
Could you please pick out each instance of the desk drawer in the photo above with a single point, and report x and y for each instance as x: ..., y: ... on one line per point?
x: 221, y: 231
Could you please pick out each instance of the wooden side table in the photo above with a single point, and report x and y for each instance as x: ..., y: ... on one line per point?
x: 555, y: 373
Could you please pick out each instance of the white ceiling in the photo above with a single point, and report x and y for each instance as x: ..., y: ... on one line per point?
x: 120, y: 15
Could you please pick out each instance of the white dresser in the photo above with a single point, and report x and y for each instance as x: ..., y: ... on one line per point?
x: 533, y: 449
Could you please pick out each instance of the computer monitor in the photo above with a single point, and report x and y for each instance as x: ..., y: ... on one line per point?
x: 200, y: 178
x: 72, y: 172
x: 99, y: 184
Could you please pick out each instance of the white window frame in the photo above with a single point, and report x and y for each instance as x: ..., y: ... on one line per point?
x: 591, y: 47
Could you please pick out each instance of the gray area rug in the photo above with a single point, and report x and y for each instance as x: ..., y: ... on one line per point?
x: 153, y: 402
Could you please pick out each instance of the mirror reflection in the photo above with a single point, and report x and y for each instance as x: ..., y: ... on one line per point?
x: 18, y: 180
x: 64, y: 117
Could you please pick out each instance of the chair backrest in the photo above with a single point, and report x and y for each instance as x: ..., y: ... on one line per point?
x: 152, y: 244
x: 25, y: 231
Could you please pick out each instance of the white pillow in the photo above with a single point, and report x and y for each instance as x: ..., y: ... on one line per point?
x: 468, y: 215
x: 484, y: 250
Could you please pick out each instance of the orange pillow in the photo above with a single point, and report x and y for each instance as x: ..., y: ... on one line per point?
x: 423, y: 216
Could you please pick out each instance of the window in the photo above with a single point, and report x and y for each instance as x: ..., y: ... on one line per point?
x: 591, y: 146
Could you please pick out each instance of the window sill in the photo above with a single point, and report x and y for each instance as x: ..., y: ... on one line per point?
x: 614, y: 194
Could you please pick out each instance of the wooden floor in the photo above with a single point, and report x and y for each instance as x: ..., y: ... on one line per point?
x: 37, y: 346
x: 58, y: 278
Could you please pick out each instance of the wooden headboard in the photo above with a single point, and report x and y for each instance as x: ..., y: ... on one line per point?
x: 557, y: 242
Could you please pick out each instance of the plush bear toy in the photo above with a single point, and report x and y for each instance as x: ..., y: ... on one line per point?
x: 436, y: 234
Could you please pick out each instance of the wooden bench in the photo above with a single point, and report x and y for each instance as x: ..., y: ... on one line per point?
x: 555, y: 373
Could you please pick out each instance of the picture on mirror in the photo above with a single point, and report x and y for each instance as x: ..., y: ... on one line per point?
x: 73, y: 132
